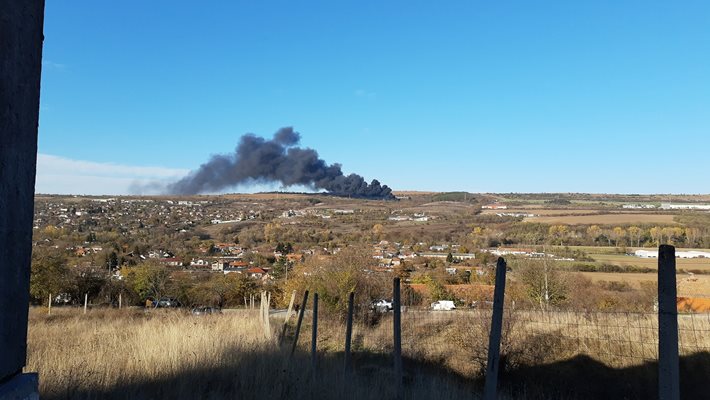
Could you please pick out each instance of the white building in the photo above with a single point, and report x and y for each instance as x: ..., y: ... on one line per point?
x: 670, y: 206
x: 678, y: 254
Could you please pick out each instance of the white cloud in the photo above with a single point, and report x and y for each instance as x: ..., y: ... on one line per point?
x: 59, y: 175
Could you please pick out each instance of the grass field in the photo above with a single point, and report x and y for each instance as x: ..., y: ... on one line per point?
x: 605, y: 219
x: 688, y: 285
x: 702, y: 264
x: 543, y: 211
x: 132, y: 354
x: 633, y: 279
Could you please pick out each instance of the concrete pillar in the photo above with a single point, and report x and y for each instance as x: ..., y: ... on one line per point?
x: 21, y: 36
x: 668, y: 363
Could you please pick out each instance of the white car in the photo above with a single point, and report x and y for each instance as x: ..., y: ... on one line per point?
x: 381, y: 305
x: 443, y: 305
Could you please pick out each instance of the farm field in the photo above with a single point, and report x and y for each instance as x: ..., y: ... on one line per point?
x: 633, y: 279
x: 688, y: 285
x: 616, y: 250
x: 606, y: 219
x: 702, y: 264
x: 542, y: 211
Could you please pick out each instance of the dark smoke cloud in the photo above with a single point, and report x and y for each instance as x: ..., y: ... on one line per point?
x: 277, y: 160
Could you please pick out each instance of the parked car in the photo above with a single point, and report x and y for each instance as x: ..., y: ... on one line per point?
x: 443, y: 305
x: 205, y: 310
x: 166, y: 302
x: 381, y: 305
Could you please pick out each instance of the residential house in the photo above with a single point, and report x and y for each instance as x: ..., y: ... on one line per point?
x: 199, y: 263
x: 256, y: 272
x: 171, y: 261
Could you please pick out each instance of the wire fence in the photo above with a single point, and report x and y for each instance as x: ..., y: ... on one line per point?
x: 458, y: 339
x: 476, y: 340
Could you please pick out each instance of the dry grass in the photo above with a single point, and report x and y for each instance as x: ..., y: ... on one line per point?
x: 136, y: 355
x: 606, y: 219
x: 458, y: 340
x: 552, y: 355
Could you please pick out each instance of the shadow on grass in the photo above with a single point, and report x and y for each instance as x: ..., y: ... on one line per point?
x: 265, y: 375
x: 585, y: 378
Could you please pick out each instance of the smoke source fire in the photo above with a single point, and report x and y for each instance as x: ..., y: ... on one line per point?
x: 277, y: 160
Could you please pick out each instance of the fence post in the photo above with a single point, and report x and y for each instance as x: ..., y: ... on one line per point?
x: 120, y: 300
x: 290, y: 305
x: 397, y: 320
x: 86, y: 301
x: 300, y: 320
x: 349, y: 331
x: 288, y: 316
x: 314, y: 335
x: 491, y: 385
x: 668, y: 374
x: 267, y: 321
x: 49, y: 305
x: 261, y: 309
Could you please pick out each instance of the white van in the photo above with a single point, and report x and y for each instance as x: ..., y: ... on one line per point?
x: 443, y: 305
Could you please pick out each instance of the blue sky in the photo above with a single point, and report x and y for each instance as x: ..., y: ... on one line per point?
x: 518, y: 96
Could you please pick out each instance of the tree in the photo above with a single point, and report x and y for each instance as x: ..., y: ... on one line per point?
x: 335, y: 278
x: 692, y: 235
x: 558, y: 232
x: 273, y: 231
x: 112, y: 260
x: 377, y: 231
x: 49, y: 274
x: 594, y: 231
x: 657, y: 234
x: 221, y: 290
x: 545, y: 285
x: 635, y: 233
x: 449, y: 258
x: 284, y: 248
x: 617, y: 234
x: 677, y: 234
x: 148, y: 280
x: 280, y: 268
x: 437, y: 291
x: 87, y: 281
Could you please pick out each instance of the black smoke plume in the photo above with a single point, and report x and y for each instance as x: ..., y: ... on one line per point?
x: 277, y: 160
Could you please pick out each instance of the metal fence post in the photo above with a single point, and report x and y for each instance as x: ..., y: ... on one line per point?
x: 668, y: 374
x: 397, y: 319
x: 491, y: 385
x: 349, y: 331
x: 300, y: 320
x: 314, y: 335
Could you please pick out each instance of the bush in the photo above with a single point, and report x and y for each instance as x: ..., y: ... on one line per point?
x: 334, y: 279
